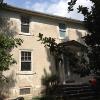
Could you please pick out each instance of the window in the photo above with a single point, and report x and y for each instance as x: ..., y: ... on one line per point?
x: 25, y: 61
x: 62, y: 30
x: 24, y: 91
x: 25, y: 24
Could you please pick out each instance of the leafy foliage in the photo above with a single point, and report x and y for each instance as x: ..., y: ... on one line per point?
x: 7, y: 43
x: 49, y: 79
x: 2, y: 4
x: 92, y: 24
x: 58, y: 50
x: 55, y: 49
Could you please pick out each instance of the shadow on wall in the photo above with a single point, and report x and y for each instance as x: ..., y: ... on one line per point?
x: 49, y: 81
x: 51, y: 59
x: 6, y: 85
x: 7, y: 26
x: 79, y: 34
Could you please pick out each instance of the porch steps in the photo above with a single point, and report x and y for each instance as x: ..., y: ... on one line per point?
x: 76, y: 91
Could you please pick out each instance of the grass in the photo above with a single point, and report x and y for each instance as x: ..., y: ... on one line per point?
x: 36, y: 98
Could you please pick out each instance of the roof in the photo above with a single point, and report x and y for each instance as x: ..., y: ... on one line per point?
x: 75, y: 45
x: 40, y: 14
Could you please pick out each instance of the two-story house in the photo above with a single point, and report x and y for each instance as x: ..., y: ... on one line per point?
x: 32, y: 57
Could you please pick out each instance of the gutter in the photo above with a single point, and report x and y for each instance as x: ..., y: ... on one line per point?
x: 32, y: 13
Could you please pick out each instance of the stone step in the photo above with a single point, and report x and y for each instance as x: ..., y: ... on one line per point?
x: 88, y: 98
x: 82, y: 92
x: 78, y: 91
x: 75, y: 88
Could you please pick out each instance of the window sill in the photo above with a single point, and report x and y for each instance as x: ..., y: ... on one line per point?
x: 27, y: 34
x: 62, y: 38
x: 26, y: 73
x: 25, y: 95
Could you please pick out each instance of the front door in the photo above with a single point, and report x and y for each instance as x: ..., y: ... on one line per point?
x: 67, y: 70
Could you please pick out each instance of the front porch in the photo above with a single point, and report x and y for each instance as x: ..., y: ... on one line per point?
x: 69, y: 68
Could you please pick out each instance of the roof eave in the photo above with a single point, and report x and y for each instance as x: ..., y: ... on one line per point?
x: 29, y: 12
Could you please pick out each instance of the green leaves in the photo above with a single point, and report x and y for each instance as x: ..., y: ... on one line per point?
x: 71, y: 4
x: 83, y: 10
x: 48, y: 42
x: 7, y: 43
x: 92, y: 24
x: 2, y: 5
x: 57, y: 50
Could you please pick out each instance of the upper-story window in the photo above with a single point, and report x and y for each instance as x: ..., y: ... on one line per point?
x: 25, y: 61
x: 25, y: 24
x: 62, y: 30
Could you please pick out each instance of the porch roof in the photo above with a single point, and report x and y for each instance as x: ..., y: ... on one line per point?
x: 75, y: 45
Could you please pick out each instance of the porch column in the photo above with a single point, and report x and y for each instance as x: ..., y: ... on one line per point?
x: 62, y: 71
x: 67, y: 69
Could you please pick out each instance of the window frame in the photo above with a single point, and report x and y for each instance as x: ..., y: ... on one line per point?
x: 26, y: 72
x: 25, y: 24
x: 25, y: 88
x: 62, y: 30
x: 26, y: 60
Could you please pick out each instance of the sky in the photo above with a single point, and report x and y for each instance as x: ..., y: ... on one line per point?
x: 53, y: 7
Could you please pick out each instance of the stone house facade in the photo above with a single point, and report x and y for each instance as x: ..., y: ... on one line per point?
x: 32, y: 58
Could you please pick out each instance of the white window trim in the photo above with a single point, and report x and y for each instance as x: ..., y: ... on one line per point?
x: 19, y: 69
x: 66, y: 35
x: 23, y: 33
x: 26, y: 94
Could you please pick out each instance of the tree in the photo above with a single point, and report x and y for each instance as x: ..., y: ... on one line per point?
x: 92, y: 24
x: 7, y: 43
x: 59, y: 50
x: 1, y: 1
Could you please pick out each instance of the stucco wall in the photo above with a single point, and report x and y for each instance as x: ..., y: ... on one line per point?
x: 40, y: 59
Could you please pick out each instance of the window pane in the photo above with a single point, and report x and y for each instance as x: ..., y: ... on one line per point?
x: 62, y: 33
x: 25, y: 66
x: 25, y: 61
x: 22, y: 58
x: 22, y: 53
x: 25, y: 24
x: 26, y: 54
x: 29, y: 59
x: 62, y: 26
x: 24, y: 28
x: 29, y: 53
x: 25, y: 19
x: 25, y: 91
x: 62, y: 29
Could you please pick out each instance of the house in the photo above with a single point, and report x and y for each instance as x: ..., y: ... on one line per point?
x: 32, y: 57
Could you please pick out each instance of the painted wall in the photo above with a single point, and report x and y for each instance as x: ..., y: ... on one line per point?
x: 40, y: 56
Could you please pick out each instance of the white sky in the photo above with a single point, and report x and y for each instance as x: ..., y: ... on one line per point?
x: 54, y: 7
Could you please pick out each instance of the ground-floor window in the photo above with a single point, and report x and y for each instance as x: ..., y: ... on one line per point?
x: 24, y: 91
x: 25, y: 61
